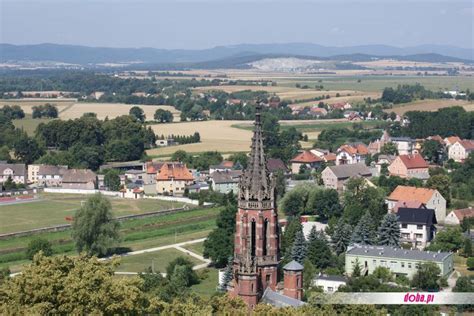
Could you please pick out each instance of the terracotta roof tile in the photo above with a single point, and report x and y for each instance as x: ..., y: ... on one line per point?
x: 306, y: 157
x: 452, y: 139
x: 467, y: 144
x: 406, y: 193
x: 174, y: 171
x: 463, y: 213
x: 413, y: 161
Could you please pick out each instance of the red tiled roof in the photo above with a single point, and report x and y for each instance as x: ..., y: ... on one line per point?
x: 413, y: 161
x: 408, y: 204
x: 467, y: 144
x: 306, y: 157
x: 452, y: 139
x: 406, y: 193
x: 174, y: 171
x: 330, y: 157
x: 360, y: 149
x: 463, y: 213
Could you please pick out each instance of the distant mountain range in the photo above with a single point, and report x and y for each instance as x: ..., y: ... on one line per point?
x: 85, y: 55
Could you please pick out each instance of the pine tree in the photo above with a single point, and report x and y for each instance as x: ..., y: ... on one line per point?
x: 389, y: 231
x: 341, y: 237
x: 363, y: 233
x: 298, y: 250
x: 318, y: 251
x: 356, y: 270
x: 227, y: 275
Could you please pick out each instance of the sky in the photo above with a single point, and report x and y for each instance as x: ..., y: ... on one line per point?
x: 198, y: 24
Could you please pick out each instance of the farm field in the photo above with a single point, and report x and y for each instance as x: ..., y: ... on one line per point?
x: 158, y: 259
x: 232, y: 136
x: 112, y: 110
x: 431, y: 105
x: 53, y: 208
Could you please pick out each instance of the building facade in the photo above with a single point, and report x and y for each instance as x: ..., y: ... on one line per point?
x: 15, y: 171
x: 399, y: 261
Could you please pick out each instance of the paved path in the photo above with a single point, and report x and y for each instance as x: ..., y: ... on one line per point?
x: 452, y: 280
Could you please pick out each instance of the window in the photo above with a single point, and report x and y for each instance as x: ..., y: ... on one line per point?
x: 330, y: 289
x: 419, y: 226
x: 402, y: 264
x: 267, y: 278
x: 265, y: 231
x: 383, y: 263
x: 419, y: 236
x: 253, y: 238
x: 404, y: 225
x: 374, y: 261
x: 409, y: 265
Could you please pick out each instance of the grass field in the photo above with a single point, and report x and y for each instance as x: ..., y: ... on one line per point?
x: 53, y: 208
x: 460, y: 265
x: 27, y: 104
x: 431, y: 105
x: 158, y: 259
x: 137, y: 234
x: 197, y: 247
x: 29, y: 124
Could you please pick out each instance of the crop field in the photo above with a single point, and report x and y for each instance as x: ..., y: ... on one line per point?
x: 215, y: 135
x: 28, y: 104
x: 158, y: 259
x: 431, y: 105
x: 52, y: 209
x: 112, y: 110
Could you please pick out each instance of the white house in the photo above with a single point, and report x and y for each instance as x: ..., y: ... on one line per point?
x: 329, y: 283
x: 417, y: 226
x: 351, y: 154
x: 461, y: 149
x: 226, y: 181
x: 15, y: 171
x: 457, y: 216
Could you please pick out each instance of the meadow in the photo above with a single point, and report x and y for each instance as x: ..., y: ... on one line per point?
x: 430, y: 105
x: 52, y: 209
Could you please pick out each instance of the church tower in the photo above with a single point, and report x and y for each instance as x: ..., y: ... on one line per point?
x: 257, y: 246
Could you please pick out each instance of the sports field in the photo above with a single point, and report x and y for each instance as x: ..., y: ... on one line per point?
x: 53, y: 209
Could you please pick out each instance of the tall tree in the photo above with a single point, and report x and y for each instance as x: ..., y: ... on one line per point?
x: 299, y: 248
x: 341, y: 236
x: 442, y: 183
x: 137, y: 113
x: 364, y: 233
x: 389, y: 231
x: 112, y: 179
x: 427, y: 276
x: 94, y: 229
x: 228, y: 275
x: 319, y: 253
x: 292, y: 227
x: 164, y: 116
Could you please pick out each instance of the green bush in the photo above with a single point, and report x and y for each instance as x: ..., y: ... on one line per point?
x: 37, y: 245
x: 470, y: 263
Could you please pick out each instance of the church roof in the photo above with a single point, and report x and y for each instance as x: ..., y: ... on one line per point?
x: 293, y: 266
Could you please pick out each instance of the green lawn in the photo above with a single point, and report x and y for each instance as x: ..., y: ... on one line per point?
x: 207, y: 286
x: 29, y: 124
x: 54, y: 208
x: 460, y: 265
x: 196, y: 248
x: 159, y: 260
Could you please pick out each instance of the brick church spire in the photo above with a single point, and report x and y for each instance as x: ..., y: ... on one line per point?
x: 257, y: 186
x: 256, y: 240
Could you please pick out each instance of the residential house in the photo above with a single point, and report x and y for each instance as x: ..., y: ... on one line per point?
x: 274, y: 101
x: 430, y: 197
x: 335, y: 177
x: 383, y: 160
x: 133, y: 190
x: 409, y: 166
x: 404, y: 145
x: 329, y: 283
x: 172, y: 178
x: 451, y: 140
x: 226, y: 181
x: 33, y: 173
x: 275, y: 165
x: 400, y: 261
x: 152, y: 169
x: 406, y: 204
x: 376, y: 146
x: 318, y: 112
x: 197, y: 187
x: 417, y: 226
x: 50, y: 176
x: 15, y: 171
x: 320, y: 152
x: 351, y: 154
x: 305, y: 159
x: 136, y: 175
x: 341, y: 106
x: 457, y: 216
x: 225, y: 165
x: 460, y: 150
x: 79, y: 179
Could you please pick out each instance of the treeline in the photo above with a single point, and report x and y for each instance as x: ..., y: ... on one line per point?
x: 444, y: 122
x: 46, y: 110
x: 13, y: 112
x: 333, y: 138
x: 88, y: 142
x: 408, y: 93
x: 183, y: 139
x: 200, y: 161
